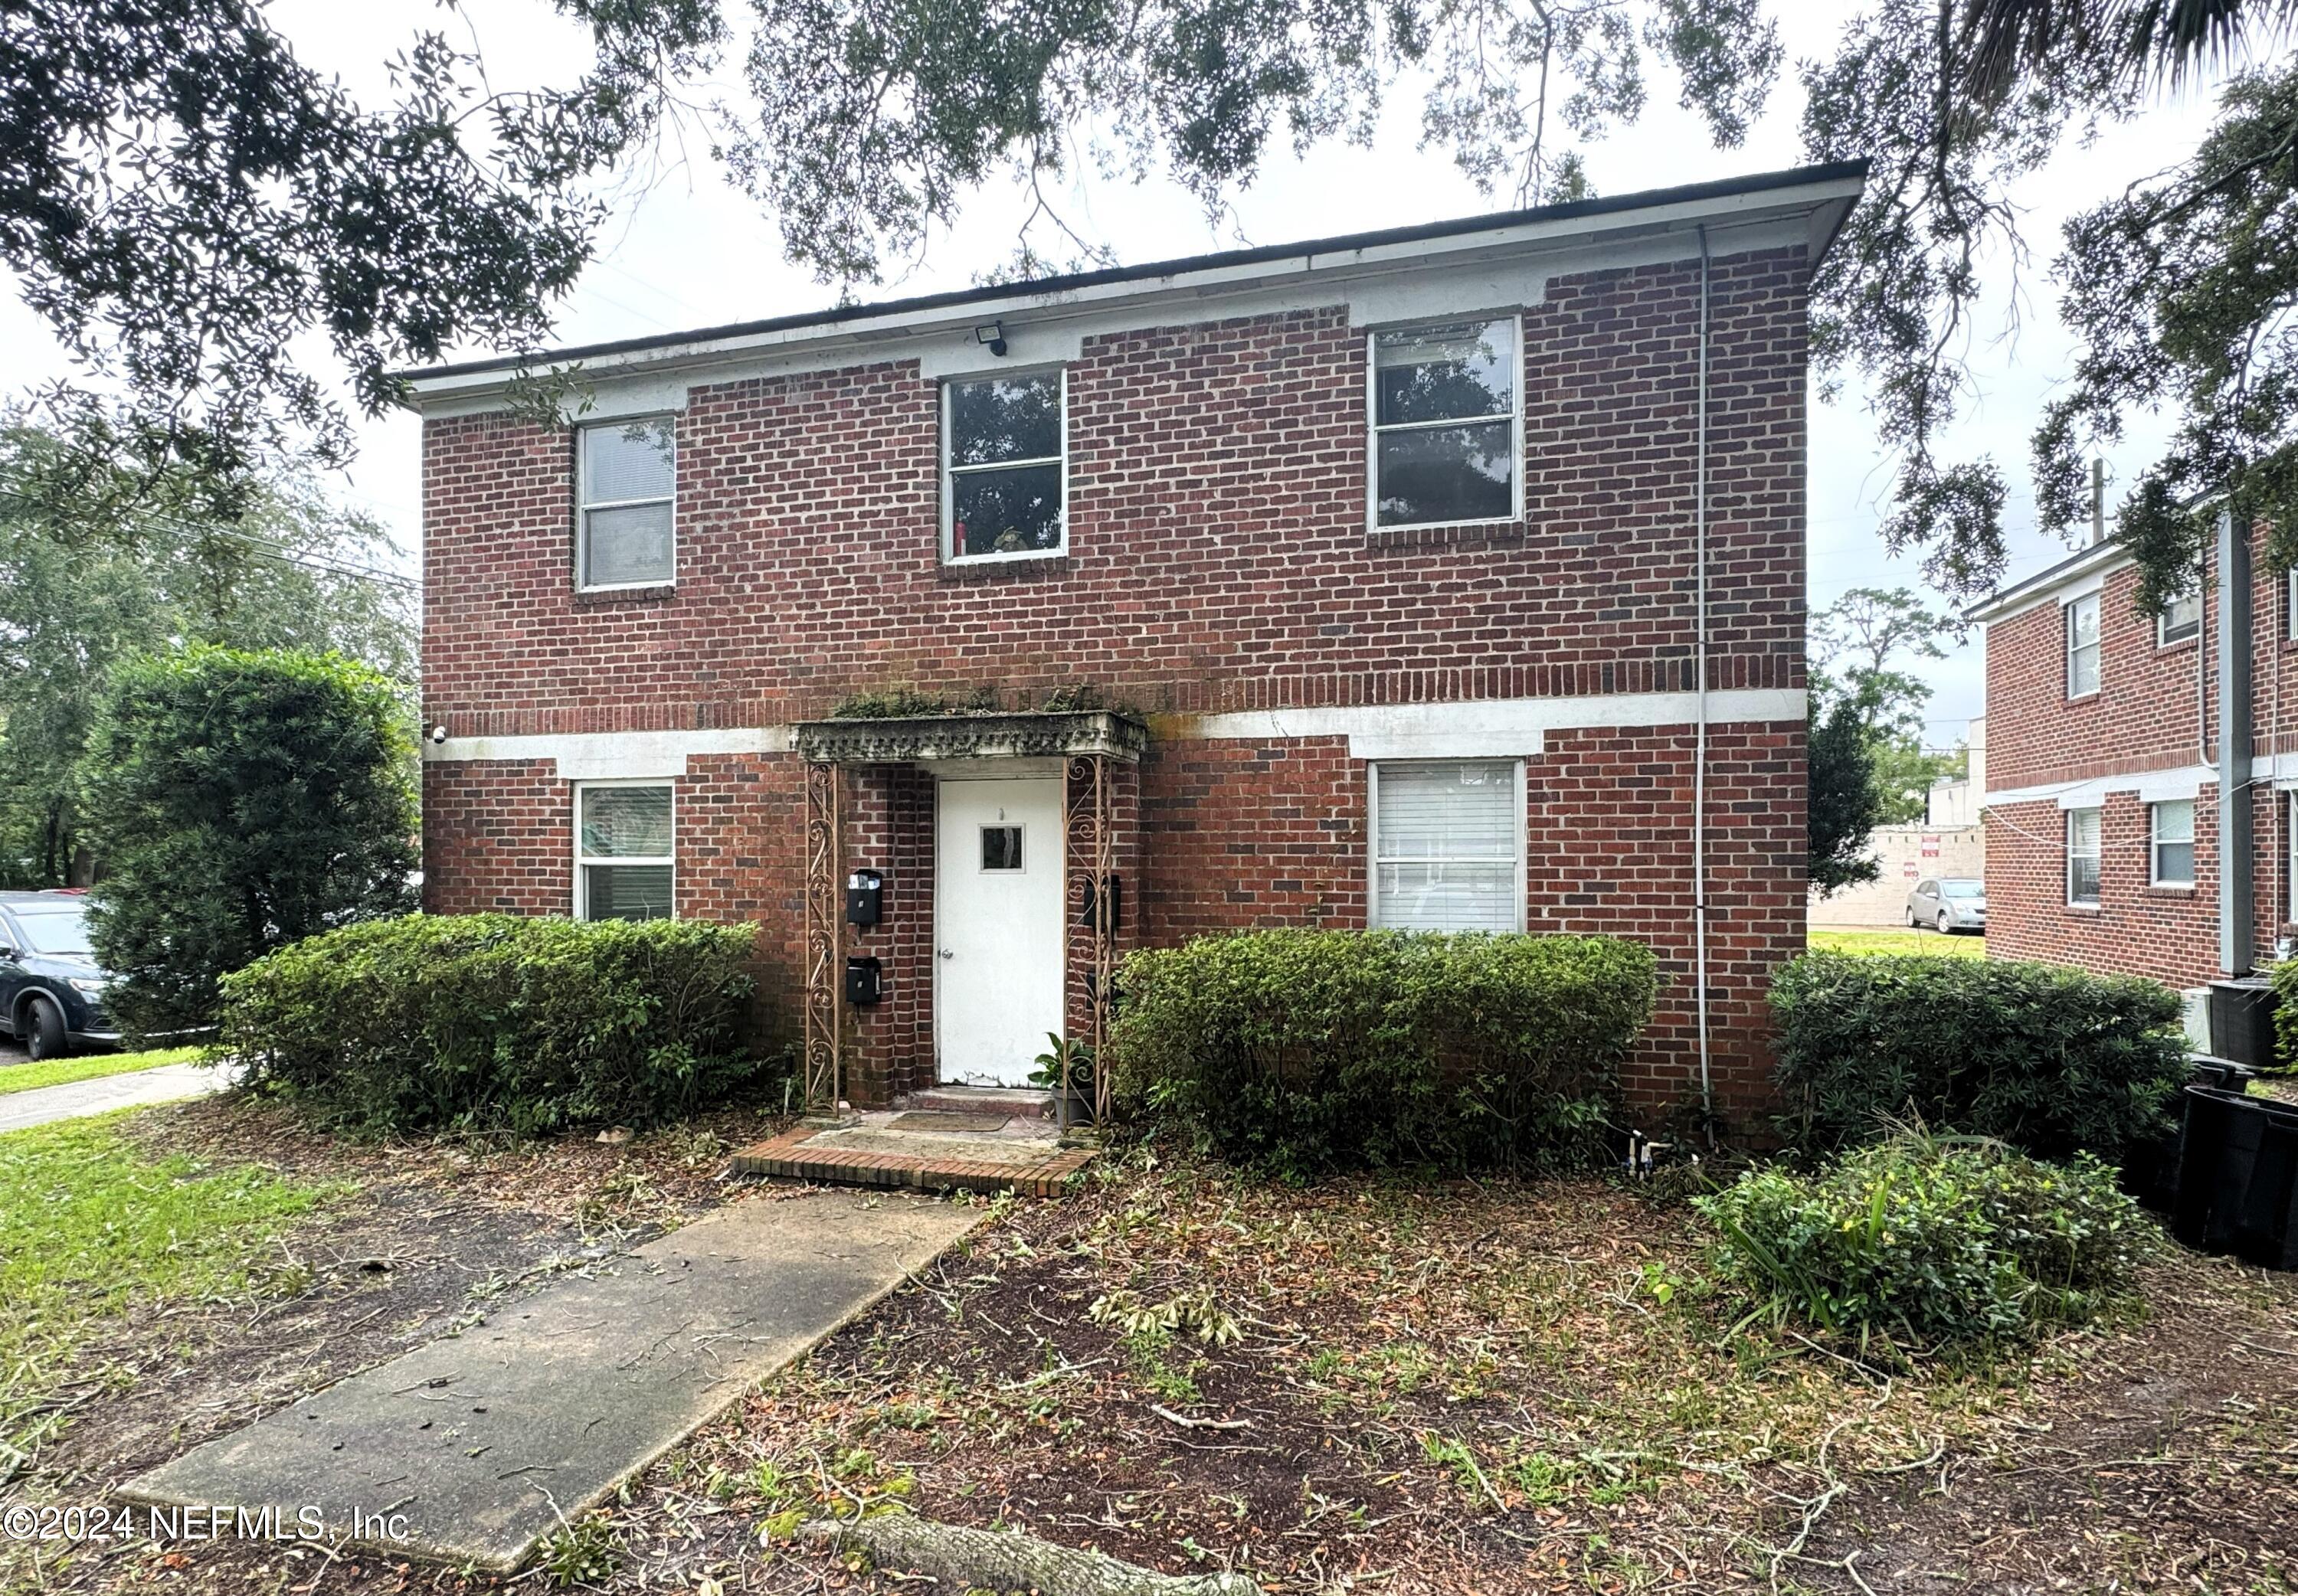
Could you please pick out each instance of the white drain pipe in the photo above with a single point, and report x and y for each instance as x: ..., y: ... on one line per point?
x: 1699, y: 749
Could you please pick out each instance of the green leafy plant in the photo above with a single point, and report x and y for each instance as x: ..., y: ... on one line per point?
x: 1303, y: 1052
x: 1186, y: 1313
x: 1929, y: 1240
x: 2050, y: 1059
x: 584, y: 1552
x: 1076, y: 1053
x: 241, y: 802
x: 494, y: 1021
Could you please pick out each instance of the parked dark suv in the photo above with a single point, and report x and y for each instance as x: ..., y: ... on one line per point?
x: 51, y: 992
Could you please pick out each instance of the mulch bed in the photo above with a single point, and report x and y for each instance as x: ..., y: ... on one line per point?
x: 1472, y: 1387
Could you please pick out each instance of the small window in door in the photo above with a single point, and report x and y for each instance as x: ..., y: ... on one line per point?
x: 1001, y: 847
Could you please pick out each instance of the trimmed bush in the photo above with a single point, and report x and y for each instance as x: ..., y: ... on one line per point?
x: 1302, y: 1052
x: 494, y: 1021
x: 2049, y: 1060
x: 1925, y: 1239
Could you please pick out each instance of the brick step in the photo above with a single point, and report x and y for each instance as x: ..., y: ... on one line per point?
x: 1031, y: 1103
x: 848, y: 1155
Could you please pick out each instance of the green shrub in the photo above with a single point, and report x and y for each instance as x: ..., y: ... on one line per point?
x: 1931, y: 1240
x: 1301, y: 1051
x: 492, y: 1021
x: 2285, y: 1014
x: 2050, y: 1059
x: 240, y: 802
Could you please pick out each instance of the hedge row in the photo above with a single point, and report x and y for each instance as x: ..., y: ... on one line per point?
x: 1302, y: 1052
x: 495, y: 1022
x: 2047, y: 1059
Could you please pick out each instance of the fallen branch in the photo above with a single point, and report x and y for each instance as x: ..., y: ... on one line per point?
x: 967, y: 1560
x: 1187, y: 1423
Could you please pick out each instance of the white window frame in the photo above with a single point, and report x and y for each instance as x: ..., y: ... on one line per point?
x: 1002, y: 825
x: 582, y: 892
x: 950, y: 473
x: 1373, y: 428
x: 2097, y: 646
x: 2154, y: 843
x: 2290, y: 853
x: 2290, y: 604
x: 1373, y: 861
x: 582, y: 507
x: 2099, y: 858
x: 2162, y: 638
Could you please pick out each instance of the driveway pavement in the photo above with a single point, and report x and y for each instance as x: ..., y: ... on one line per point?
x: 73, y: 1099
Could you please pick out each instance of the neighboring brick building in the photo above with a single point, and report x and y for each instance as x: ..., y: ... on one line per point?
x: 2103, y: 807
x: 1336, y: 584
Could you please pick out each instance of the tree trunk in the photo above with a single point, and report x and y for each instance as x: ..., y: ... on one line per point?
x: 967, y: 1560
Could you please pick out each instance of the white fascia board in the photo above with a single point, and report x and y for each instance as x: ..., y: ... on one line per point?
x: 1510, y: 259
x: 2150, y: 785
x: 2067, y: 580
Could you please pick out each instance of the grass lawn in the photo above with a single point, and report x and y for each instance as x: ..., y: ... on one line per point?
x: 59, y: 1072
x: 1899, y: 939
x: 90, y: 1227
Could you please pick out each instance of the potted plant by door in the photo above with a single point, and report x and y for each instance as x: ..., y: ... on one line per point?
x: 1065, y: 1069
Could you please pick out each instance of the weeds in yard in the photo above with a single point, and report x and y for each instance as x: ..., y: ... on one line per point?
x: 584, y: 1552
x: 1186, y: 1313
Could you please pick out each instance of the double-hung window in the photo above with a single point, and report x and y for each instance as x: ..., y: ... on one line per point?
x: 2082, y: 646
x: 2172, y: 825
x: 624, y: 854
x: 2180, y: 619
x: 1004, y: 466
x: 1447, y: 424
x: 1448, y: 845
x: 2082, y: 857
x: 629, y: 488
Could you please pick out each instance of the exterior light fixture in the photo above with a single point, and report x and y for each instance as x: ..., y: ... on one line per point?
x: 992, y: 334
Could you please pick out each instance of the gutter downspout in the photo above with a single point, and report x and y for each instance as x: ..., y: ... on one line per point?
x: 2238, y: 885
x: 1700, y: 746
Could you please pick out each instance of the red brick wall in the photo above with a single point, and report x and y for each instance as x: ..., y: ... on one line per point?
x: 1219, y: 560
x: 2145, y: 716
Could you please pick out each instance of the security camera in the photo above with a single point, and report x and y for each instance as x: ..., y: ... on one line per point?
x: 438, y: 732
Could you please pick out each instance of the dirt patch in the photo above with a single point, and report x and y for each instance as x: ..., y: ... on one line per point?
x: 1479, y: 1388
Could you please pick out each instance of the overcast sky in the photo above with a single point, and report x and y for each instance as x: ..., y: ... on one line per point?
x: 686, y: 250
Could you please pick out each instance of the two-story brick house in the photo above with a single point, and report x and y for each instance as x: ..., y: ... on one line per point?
x: 1360, y: 582
x: 2107, y: 738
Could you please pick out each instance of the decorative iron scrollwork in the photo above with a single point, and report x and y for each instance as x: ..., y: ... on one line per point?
x: 825, y: 920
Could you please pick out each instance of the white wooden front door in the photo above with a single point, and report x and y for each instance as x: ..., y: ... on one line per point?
x: 997, y: 926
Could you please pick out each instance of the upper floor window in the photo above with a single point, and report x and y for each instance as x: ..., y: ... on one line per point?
x: 629, y: 488
x: 1447, y: 846
x: 2181, y: 620
x: 1446, y: 424
x: 2082, y: 646
x: 1004, y: 466
x: 622, y: 852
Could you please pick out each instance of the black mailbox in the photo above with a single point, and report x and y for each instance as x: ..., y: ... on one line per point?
x: 865, y: 898
x: 862, y: 981
x: 1116, y: 885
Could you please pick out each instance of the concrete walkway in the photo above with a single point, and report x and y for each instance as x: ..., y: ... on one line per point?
x: 470, y: 1448
x: 105, y: 1092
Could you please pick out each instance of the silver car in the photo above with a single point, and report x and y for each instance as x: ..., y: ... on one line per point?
x: 1949, y: 903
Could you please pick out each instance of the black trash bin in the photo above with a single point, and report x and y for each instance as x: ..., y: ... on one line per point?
x: 2238, y: 1178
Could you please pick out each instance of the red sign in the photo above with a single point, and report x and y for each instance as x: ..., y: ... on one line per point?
x: 1909, y: 870
x: 1930, y: 848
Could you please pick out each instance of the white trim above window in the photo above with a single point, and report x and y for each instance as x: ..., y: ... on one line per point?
x: 1447, y: 848
x: 2083, y: 827
x: 2171, y: 849
x: 1431, y: 436
x: 2080, y: 617
x: 626, y: 504
x: 625, y: 850
x: 996, y: 466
